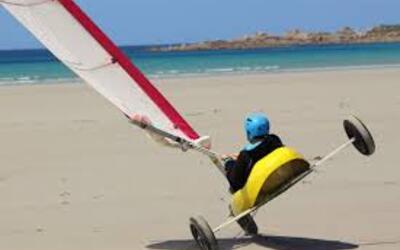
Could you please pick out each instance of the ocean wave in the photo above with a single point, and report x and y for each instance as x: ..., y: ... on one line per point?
x: 344, y: 67
x: 213, y: 71
x: 219, y: 70
x: 34, y: 80
x: 173, y: 73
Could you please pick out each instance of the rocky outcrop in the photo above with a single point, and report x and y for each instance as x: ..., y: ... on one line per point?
x: 383, y: 33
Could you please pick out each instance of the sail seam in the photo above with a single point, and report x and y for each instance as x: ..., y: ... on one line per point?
x: 26, y: 4
x: 94, y: 68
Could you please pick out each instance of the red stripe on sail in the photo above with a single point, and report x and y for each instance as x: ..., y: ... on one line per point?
x: 161, y: 102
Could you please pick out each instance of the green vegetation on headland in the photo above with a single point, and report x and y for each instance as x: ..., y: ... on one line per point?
x: 382, y: 33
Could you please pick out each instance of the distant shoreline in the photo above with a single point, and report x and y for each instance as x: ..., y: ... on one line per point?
x: 154, y: 78
x: 347, y: 35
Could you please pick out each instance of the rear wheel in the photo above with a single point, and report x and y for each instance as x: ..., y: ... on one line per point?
x: 203, y: 234
x: 364, y: 142
x: 248, y: 225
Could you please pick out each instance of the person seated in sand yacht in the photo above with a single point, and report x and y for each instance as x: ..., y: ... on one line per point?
x: 238, y: 168
x: 261, y: 143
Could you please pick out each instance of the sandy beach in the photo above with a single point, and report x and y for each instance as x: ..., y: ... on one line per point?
x: 74, y: 174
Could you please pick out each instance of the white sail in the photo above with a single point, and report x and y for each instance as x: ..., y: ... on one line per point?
x: 74, y: 39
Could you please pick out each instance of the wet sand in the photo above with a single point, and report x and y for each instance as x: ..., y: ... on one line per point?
x: 75, y: 175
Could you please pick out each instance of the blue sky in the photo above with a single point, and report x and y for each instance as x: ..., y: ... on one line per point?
x: 169, y: 21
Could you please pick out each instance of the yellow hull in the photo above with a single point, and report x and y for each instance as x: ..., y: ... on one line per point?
x: 267, y: 175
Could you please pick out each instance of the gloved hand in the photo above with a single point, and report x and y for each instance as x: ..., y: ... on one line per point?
x: 229, y: 157
x: 229, y: 163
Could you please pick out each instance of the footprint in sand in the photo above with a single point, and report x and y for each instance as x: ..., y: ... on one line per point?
x: 390, y: 183
x: 98, y: 197
x: 201, y: 113
x: 64, y: 198
x: 65, y: 203
x: 344, y: 104
x: 216, y: 111
x: 65, y: 194
x: 195, y: 114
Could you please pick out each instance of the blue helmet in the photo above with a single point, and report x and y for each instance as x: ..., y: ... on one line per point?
x: 256, y: 125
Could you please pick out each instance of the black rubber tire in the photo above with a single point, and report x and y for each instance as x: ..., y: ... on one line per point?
x: 248, y: 225
x: 364, y: 142
x: 203, y: 234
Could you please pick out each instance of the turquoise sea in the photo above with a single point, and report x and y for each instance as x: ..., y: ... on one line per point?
x: 39, y: 66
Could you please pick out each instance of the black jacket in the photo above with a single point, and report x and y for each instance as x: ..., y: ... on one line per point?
x: 239, y: 170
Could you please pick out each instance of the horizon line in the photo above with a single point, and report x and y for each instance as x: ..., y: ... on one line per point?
x: 191, y: 42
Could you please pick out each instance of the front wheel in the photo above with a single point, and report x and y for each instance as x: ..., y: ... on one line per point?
x: 363, y: 140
